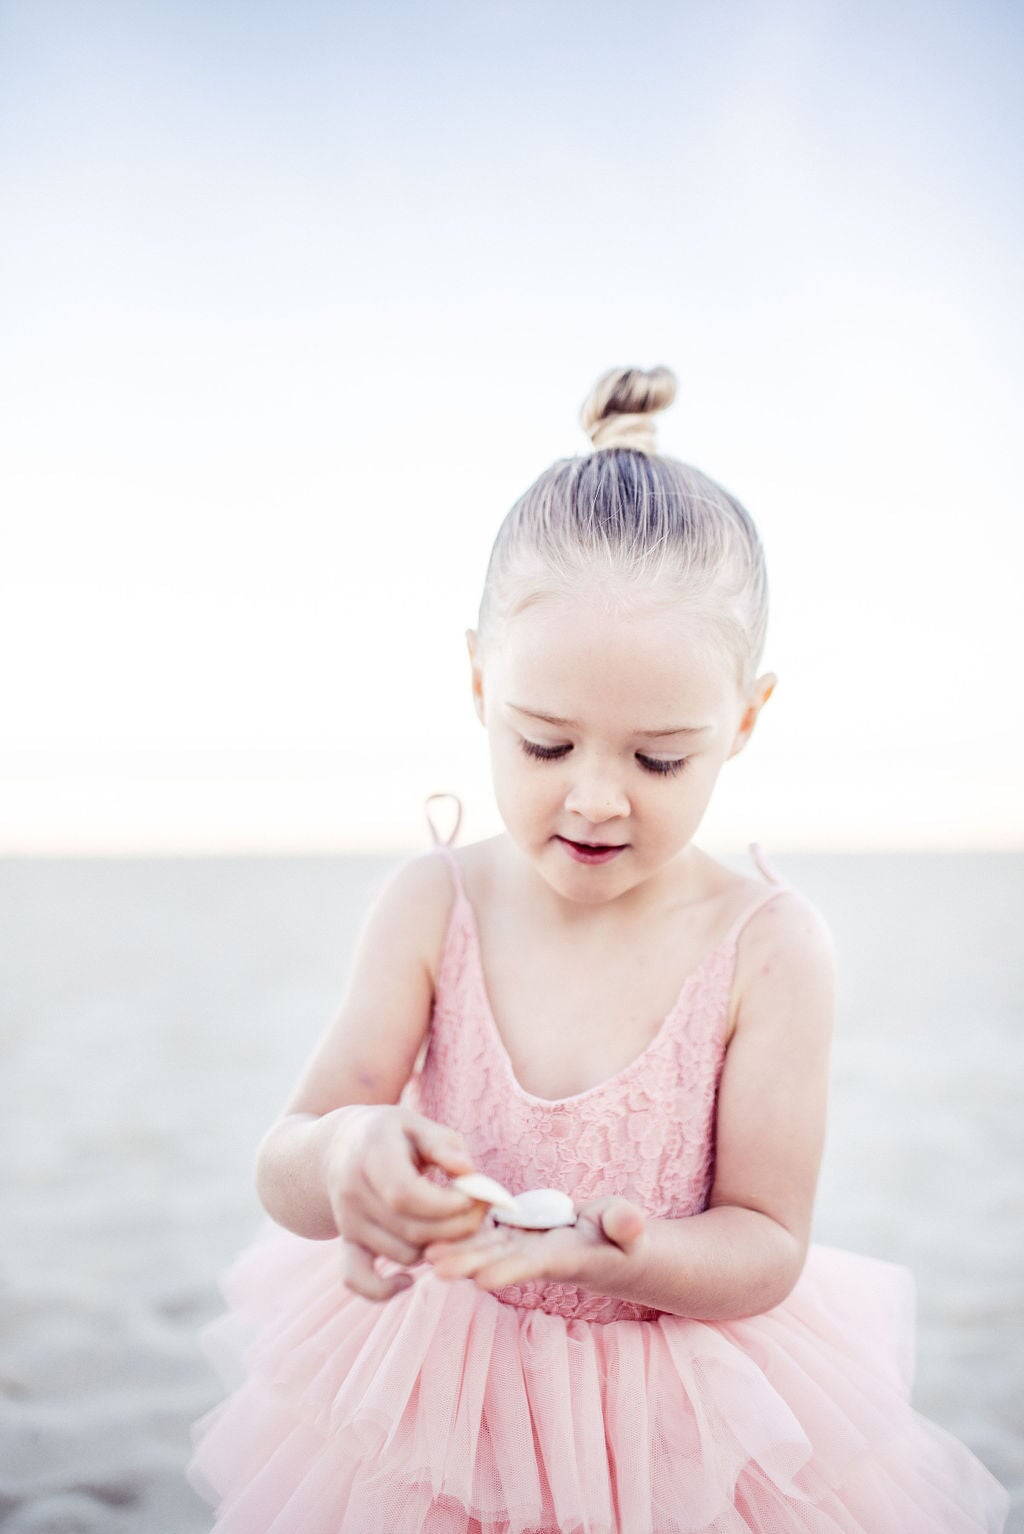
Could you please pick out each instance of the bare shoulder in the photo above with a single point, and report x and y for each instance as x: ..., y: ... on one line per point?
x: 416, y: 899
x: 367, y: 1052
x: 786, y: 958
x: 479, y: 860
x: 792, y: 925
x: 479, y: 866
x: 421, y: 893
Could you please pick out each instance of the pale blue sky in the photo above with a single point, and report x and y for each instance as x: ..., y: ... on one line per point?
x: 297, y: 299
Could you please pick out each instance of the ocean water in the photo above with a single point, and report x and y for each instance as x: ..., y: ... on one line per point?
x: 154, y: 1014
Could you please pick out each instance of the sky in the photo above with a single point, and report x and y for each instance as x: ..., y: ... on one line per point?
x: 297, y: 299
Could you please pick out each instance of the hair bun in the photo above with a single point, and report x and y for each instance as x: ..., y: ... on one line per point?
x: 617, y: 412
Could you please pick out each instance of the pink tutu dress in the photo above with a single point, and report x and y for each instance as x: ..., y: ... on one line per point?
x: 543, y: 1408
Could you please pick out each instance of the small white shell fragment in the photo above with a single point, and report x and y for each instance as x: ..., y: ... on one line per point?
x: 485, y: 1189
x: 539, y: 1209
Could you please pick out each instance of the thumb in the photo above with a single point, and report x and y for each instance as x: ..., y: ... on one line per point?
x: 359, y: 1274
x: 438, y: 1144
x: 624, y: 1223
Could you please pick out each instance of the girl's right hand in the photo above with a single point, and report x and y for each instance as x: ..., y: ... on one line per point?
x: 382, y: 1204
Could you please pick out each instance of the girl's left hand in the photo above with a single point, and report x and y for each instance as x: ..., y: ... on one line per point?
x: 497, y: 1255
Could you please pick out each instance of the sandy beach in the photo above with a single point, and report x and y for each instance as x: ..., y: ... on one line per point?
x: 156, y: 1012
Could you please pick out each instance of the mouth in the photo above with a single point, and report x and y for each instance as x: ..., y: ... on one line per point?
x: 592, y: 852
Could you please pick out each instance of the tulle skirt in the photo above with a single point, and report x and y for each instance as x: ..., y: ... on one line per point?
x: 445, y: 1410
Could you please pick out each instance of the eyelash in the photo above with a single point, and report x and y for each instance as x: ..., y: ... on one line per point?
x: 554, y: 753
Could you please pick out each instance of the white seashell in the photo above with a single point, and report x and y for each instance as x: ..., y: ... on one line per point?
x: 485, y: 1189
x: 539, y: 1209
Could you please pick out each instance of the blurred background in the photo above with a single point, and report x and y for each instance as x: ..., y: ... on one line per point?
x: 296, y: 300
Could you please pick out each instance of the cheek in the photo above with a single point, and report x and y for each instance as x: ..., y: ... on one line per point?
x: 510, y: 768
x: 675, y: 798
x: 523, y: 788
x: 699, y: 788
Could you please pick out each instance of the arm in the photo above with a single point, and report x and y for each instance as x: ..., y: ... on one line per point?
x: 745, y: 1252
x: 716, y: 1266
x: 333, y: 1149
x: 365, y: 1055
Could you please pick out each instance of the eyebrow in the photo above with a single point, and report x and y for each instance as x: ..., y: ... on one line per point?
x: 570, y: 724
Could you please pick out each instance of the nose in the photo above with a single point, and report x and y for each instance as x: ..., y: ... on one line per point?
x: 597, y: 797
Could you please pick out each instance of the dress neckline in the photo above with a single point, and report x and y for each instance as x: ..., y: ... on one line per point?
x: 726, y: 943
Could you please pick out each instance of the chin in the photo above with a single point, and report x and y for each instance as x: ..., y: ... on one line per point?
x: 577, y: 882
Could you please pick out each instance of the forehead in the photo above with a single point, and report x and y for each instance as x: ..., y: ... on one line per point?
x: 642, y: 666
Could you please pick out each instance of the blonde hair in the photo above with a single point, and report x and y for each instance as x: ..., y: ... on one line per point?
x: 626, y: 519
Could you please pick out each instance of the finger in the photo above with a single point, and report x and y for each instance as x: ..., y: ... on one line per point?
x: 464, y: 1260
x: 547, y: 1255
x: 359, y: 1274
x: 379, y: 1241
x: 457, y: 1228
x: 434, y: 1250
x: 440, y: 1245
x: 515, y: 1267
x: 437, y: 1144
x: 623, y: 1223
x: 461, y: 1260
x: 394, y: 1180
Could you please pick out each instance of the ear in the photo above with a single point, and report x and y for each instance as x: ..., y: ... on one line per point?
x: 477, y: 674
x: 758, y: 697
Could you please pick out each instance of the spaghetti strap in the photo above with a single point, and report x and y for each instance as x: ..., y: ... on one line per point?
x: 446, y: 849
x: 450, y: 840
x: 779, y: 886
x: 771, y: 874
x: 744, y: 916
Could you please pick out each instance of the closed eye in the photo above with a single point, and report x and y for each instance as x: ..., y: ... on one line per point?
x: 649, y: 763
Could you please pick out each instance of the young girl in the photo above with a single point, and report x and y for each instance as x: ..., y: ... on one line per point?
x: 588, y: 1002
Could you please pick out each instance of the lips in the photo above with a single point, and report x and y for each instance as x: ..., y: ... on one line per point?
x: 592, y: 852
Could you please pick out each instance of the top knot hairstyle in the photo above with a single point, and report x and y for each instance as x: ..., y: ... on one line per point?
x: 617, y: 411
x: 625, y: 520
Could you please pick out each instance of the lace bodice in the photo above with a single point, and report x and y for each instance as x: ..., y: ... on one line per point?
x: 647, y: 1133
